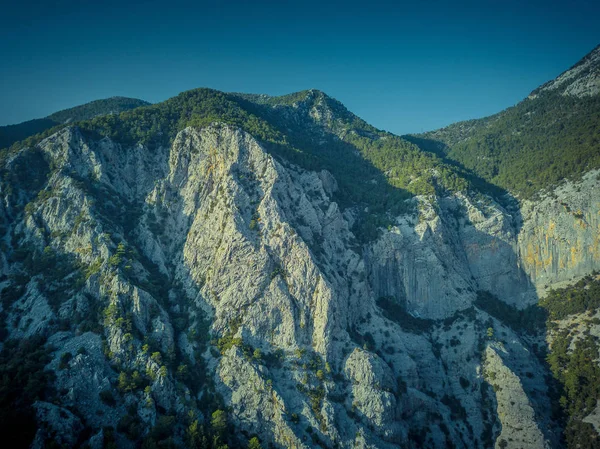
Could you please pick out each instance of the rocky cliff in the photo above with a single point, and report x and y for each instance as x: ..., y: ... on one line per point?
x: 316, y: 340
x: 216, y: 289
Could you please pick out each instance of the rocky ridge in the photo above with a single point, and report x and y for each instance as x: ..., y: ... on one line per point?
x: 258, y: 248
x: 581, y: 80
x: 276, y: 270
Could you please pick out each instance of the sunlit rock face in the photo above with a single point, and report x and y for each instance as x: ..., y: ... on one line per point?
x: 560, y: 238
x: 581, y: 80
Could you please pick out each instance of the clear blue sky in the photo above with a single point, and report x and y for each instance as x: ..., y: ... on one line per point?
x: 402, y: 66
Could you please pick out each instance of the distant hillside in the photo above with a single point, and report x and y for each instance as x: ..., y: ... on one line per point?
x: 549, y: 136
x: 114, y: 105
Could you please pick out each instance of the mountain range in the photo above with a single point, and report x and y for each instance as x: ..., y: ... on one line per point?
x: 234, y: 270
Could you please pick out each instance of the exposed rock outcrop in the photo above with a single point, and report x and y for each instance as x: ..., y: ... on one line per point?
x: 213, y: 257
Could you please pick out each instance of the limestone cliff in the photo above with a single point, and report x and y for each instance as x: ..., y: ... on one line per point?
x: 189, y: 289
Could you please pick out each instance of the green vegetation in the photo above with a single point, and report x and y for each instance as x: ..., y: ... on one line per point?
x: 573, y: 358
x: 578, y: 298
x: 458, y: 412
x: 113, y: 317
x: 64, y: 360
x: 531, y: 146
x: 131, y: 381
x: 14, y: 133
x: 131, y: 425
x: 116, y: 260
x: 578, y: 372
x: 254, y: 443
x: 228, y: 340
x: 530, y: 320
x: 373, y: 168
x: 278, y: 271
x: 23, y: 380
x: 112, y: 105
x: 107, y: 397
x: 159, y: 124
x: 62, y: 272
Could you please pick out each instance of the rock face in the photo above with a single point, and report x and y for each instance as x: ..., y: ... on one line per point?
x: 210, y: 268
x: 581, y: 80
x: 560, y: 237
x: 520, y: 428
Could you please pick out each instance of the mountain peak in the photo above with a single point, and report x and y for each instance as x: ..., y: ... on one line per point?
x: 581, y: 80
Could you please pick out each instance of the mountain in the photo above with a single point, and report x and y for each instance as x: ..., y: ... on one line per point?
x: 114, y: 105
x: 550, y: 136
x: 232, y: 270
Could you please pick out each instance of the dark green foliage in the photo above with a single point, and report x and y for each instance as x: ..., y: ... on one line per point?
x: 107, y: 397
x: 215, y: 433
x: 200, y: 331
x: 581, y: 434
x: 278, y: 271
x: 109, y: 438
x: 578, y: 372
x: 116, y: 260
x: 574, y: 363
x: 62, y: 272
x: 113, y: 316
x: 112, y: 105
x: 14, y: 133
x: 29, y: 142
x: 218, y: 422
x: 530, y: 320
x: 10, y: 293
x: 64, y: 360
x: 158, y: 124
x: 396, y: 312
x: 161, y: 435
x: 26, y: 174
x: 366, y: 341
x: 254, y: 443
x: 316, y: 396
x: 132, y: 381
x: 531, y: 146
x: 578, y: 298
x: 458, y: 412
x: 131, y: 425
x: 228, y: 339
x: 23, y: 380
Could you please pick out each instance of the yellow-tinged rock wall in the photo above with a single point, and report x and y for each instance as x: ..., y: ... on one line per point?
x: 560, y: 237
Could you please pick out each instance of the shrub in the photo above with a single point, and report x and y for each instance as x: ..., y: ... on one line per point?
x: 64, y: 360
x: 107, y: 398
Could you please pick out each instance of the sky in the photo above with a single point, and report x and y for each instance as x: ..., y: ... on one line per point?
x: 403, y: 66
